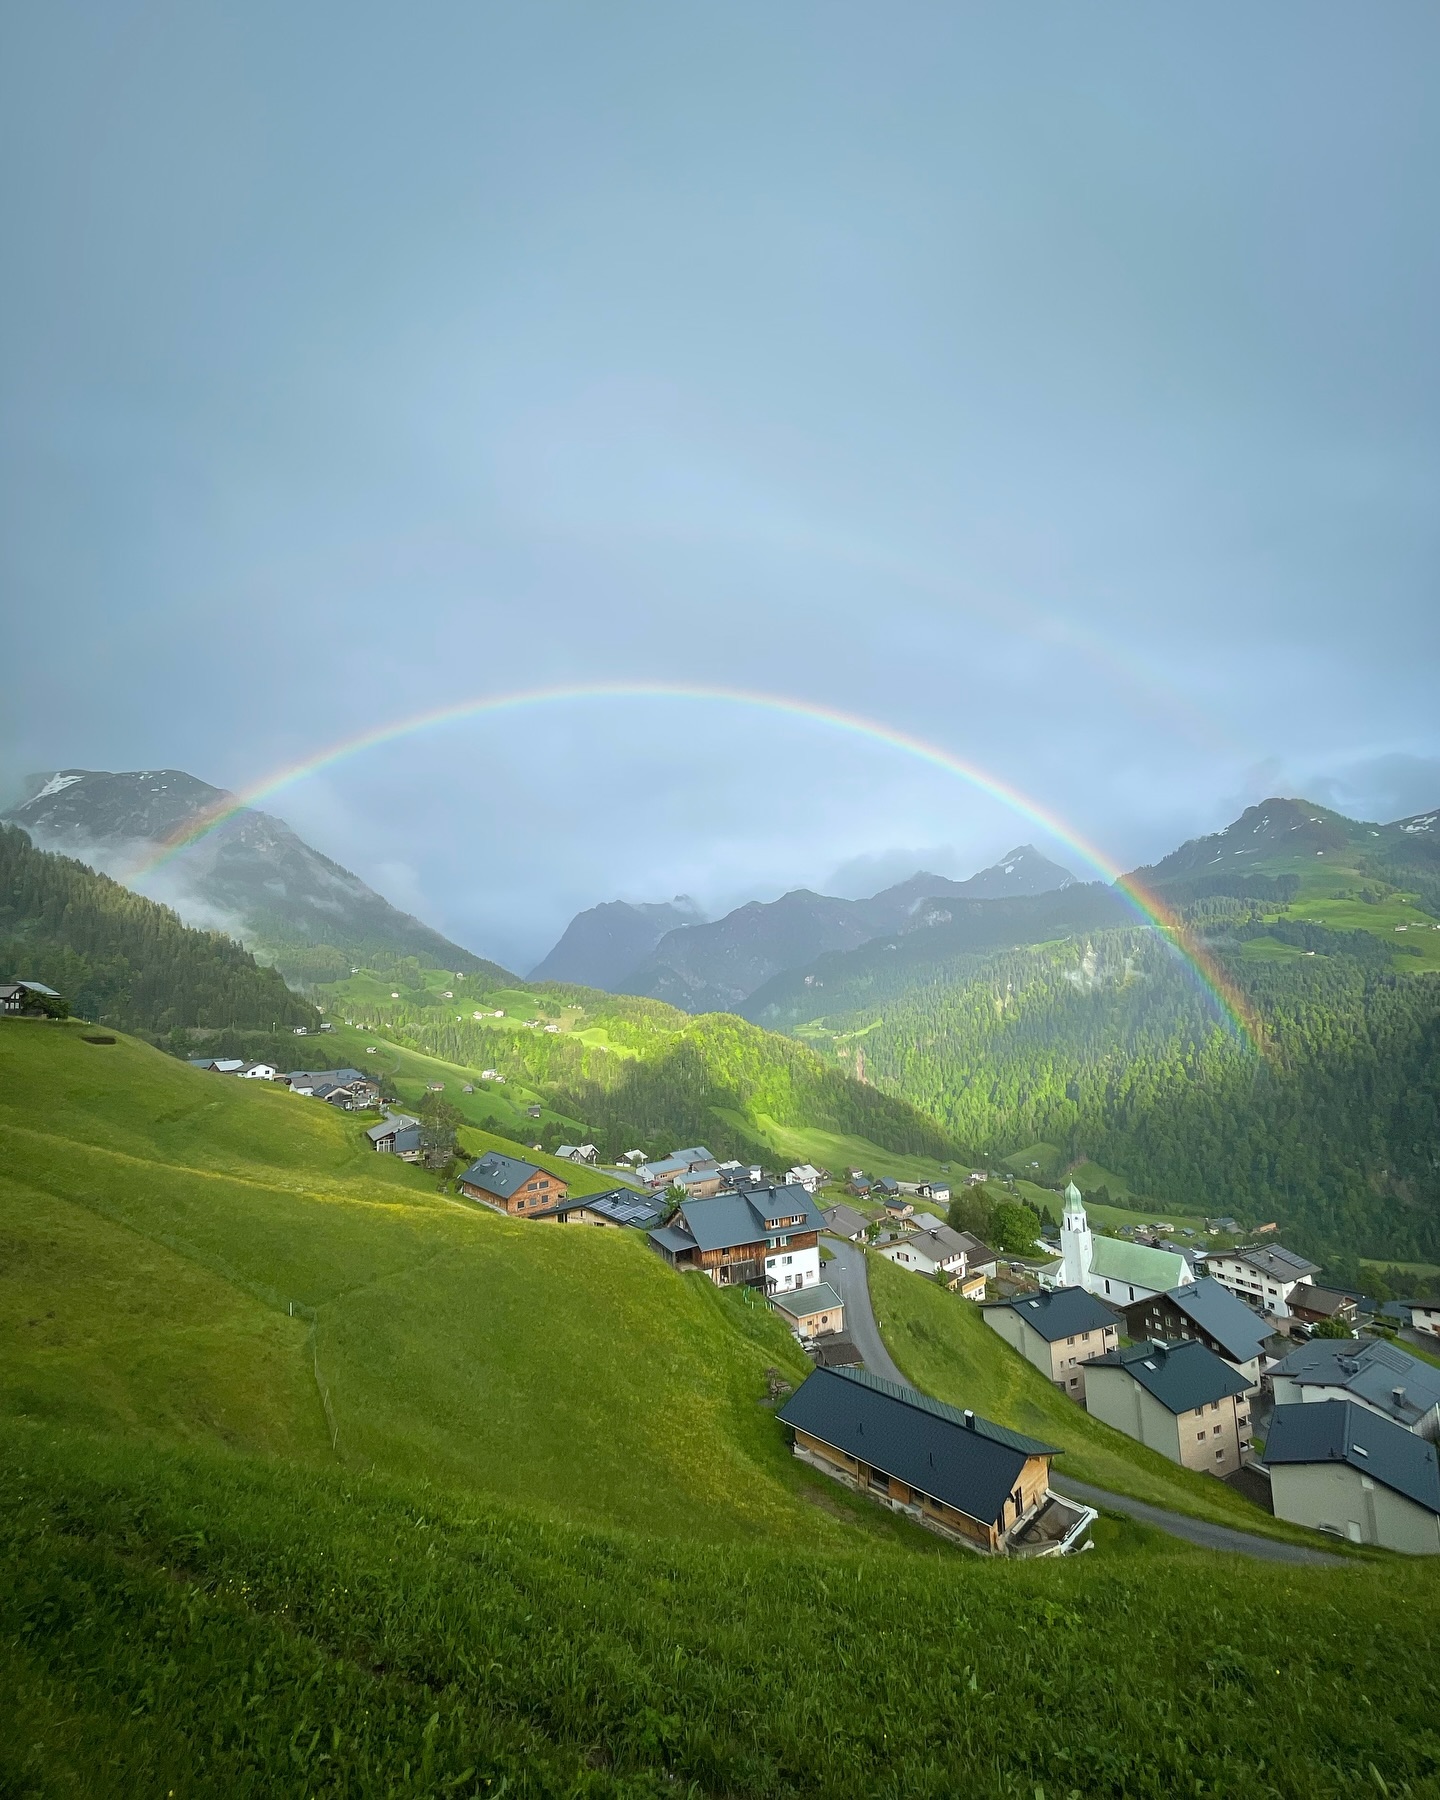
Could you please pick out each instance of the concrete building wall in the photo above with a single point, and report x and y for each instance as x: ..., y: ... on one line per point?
x: 1331, y: 1496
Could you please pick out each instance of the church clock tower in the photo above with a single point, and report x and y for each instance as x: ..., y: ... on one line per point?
x: 1076, y: 1249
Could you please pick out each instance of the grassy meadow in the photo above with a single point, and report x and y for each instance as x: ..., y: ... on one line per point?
x: 548, y: 1539
x: 159, y: 1224
x: 195, y: 1622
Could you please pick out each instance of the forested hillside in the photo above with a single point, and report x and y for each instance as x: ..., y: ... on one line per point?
x: 1108, y: 1048
x: 635, y: 1070
x: 122, y: 960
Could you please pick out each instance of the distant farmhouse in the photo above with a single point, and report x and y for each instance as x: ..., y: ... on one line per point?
x: 31, y: 998
x: 397, y: 1135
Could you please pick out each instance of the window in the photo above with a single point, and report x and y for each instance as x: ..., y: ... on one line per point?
x: 1216, y: 1431
x: 1199, y: 1437
x: 1219, y: 1456
x: 1070, y: 1340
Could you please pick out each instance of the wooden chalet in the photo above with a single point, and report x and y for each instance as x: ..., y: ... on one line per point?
x: 971, y: 1481
x: 511, y: 1186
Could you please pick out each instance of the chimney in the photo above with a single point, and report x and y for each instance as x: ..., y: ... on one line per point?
x: 969, y: 1419
x: 1398, y: 1395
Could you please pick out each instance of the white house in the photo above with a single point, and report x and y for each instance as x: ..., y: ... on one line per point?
x: 805, y: 1175
x: 578, y: 1153
x: 258, y: 1072
x: 1115, y: 1270
x: 937, y: 1251
x: 1264, y: 1275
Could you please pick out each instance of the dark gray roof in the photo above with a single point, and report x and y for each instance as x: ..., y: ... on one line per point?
x: 1063, y: 1312
x: 499, y: 1175
x: 1340, y: 1431
x: 844, y: 1219
x: 1217, y: 1312
x: 920, y: 1441
x: 731, y: 1219
x: 1326, y: 1301
x: 1180, y: 1376
x: 330, y: 1077
x: 623, y: 1206
x: 673, y: 1238
x: 1383, y: 1375
x: 1276, y: 1260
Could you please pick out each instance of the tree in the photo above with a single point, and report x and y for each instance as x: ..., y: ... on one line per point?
x: 439, y: 1121
x: 1331, y: 1328
x: 973, y: 1210
x: 1015, y: 1228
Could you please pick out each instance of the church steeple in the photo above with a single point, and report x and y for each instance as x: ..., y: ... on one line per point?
x: 1076, y: 1248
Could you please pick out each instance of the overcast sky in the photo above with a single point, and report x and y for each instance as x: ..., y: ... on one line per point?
x: 1055, y: 383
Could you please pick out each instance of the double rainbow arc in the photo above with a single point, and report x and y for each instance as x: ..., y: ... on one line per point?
x: 1231, y: 1005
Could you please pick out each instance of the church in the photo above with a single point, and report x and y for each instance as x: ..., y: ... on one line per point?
x: 1110, y: 1267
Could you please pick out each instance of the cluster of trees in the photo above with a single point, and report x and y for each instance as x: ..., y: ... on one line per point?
x: 1001, y: 1221
x: 1111, y: 1049
x: 125, y: 961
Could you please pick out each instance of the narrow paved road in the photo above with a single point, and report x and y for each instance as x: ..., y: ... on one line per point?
x: 848, y: 1273
x: 1195, y: 1531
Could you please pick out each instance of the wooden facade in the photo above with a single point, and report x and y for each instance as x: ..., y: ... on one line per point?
x: 540, y: 1189
x: 977, y: 1534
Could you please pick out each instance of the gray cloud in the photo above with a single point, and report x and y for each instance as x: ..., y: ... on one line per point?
x: 1061, y: 391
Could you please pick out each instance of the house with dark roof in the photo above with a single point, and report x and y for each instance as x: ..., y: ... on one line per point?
x: 1181, y: 1399
x: 1338, y: 1467
x: 764, y: 1237
x: 1208, y: 1312
x: 620, y: 1206
x: 397, y: 1134
x: 1262, y: 1275
x: 1418, y: 1315
x: 845, y: 1222
x: 962, y: 1477
x: 511, y: 1186
x: 1313, y: 1305
x: 1060, y: 1330
x: 1381, y: 1377
x: 662, y: 1172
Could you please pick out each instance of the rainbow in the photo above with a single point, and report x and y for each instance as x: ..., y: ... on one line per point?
x: 1231, y: 1005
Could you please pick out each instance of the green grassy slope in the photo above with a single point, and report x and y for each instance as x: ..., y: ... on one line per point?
x: 204, y: 1624
x: 160, y: 1223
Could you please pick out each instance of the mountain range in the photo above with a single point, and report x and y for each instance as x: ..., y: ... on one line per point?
x: 250, y: 876
x: 716, y: 966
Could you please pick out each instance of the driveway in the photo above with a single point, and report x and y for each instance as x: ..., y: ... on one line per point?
x: 847, y: 1272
